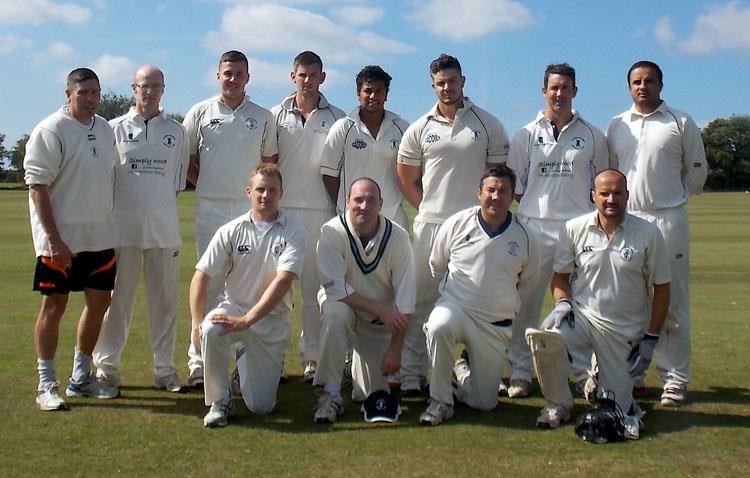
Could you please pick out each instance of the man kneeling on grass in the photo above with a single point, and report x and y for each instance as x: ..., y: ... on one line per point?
x: 259, y: 255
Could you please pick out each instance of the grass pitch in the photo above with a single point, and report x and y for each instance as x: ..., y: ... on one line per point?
x: 148, y: 432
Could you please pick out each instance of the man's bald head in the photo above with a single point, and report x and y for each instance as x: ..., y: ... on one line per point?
x: 148, y: 71
x: 609, y: 173
x: 148, y: 88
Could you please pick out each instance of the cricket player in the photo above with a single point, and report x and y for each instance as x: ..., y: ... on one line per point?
x: 660, y: 150
x: 229, y: 135
x: 302, y: 121
x: 256, y: 256
x: 153, y: 161
x: 365, y: 144
x: 367, y: 295
x: 439, y: 159
x: 483, y: 257
x: 69, y: 169
x: 611, y: 289
x: 555, y: 158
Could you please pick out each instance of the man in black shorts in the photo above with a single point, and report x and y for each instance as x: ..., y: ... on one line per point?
x: 69, y: 168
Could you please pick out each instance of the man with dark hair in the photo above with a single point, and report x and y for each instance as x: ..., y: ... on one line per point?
x: 439, y: 159
x: 69, y: 167
x: 555, y: 157
x: 483, y: 258
x: 365, y: 144
x: 229, y: 135
x: 660, y: 150
x: 302, y: 122
x: 256, y: 257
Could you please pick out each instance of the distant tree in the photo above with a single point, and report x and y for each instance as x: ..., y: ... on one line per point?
x: 3, y: 151
x: 114, y: 105
x: 18, y: 152
x: 727, y: 142
x: 176, y: 116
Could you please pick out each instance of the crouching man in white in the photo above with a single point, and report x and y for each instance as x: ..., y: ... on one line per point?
x: 482, y: 254
x: 263, y: 253
x: 367, y: 295
x: 611, y: 286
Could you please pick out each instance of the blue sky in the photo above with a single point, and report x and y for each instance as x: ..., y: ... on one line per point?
x: 702, y: 46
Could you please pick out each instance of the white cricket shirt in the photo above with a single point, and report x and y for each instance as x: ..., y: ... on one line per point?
x: 555, y: 176
x: 77, y: 163
x: 661, y: 154
x: 153, y: 163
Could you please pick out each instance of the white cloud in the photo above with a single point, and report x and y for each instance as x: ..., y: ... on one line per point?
x: 114, y: 70
x: 281, y: 29
x: 10, y: 43
x: 358, y: 15
x: 465, y: 20
x: 721, y: 28
x: 34, y: 12
x: 56, y: 50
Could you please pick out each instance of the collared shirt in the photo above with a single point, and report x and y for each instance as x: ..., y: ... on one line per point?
x: 253, y: 258
x: 482, y: 271
x: 229, y: 143
x: 77, y: 163
x: 381, y: 270
x: 612, y: 278
x: 661, y: 154
x: 351, y: 153
x: 555, y: 175
x: 301, y: 151
x: 452, y: 157
x: 153, y: 163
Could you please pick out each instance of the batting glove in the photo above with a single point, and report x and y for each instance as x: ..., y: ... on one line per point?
x: 563, y: 312
x: 641, y: 354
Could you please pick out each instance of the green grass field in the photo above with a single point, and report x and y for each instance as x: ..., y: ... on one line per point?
x: 150, y: 433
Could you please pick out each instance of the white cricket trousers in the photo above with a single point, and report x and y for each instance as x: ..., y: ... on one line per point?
x: 414, y: 360
x: 259, y: 365
x: 309, y: 281
x: 546, y: 233
x: 672, y: 352
x: 342, y: 329
x: 161, y: 272
x: 486, y: 344
x: 210, y: 215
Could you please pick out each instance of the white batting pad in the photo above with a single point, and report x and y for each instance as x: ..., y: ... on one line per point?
x: 551, y: 364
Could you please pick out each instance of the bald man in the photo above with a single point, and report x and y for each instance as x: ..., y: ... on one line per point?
x: 153, y: 159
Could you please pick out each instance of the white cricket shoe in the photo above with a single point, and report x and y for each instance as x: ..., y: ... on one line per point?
x: 49, y: 398
x: 674, y: 395
x: 309, y: 371
x: 329, y: 409
x: 219, y: 414
x: 92, y: 388
x: 195, y: 379
x: 519, y: 388
x: 436, y: 413
x: 552, y: 416
x: 170, y: 383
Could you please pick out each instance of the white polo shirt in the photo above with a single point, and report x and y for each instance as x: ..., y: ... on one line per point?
x: 229, y: 143
x: 661, y: 154
x: 351, y: 153
x: 154, y: 156
x: 612, y: 278
x: 253, y: 257
x: 452, y: 157
x: 480, y: 272
x: 77, y: 163
x: 380, y: 270
x: 301, y: 151
x: 555, y: 175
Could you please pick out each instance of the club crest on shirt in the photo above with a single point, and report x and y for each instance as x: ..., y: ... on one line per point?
x: 432, y: 138
x: 359, y: 144
x: 513, y: 247
x: 394, y: 144
x: 251, y: 123
x: 577, y: 143
x: 627, y: 253
x: 278, y: 248
x: 169, y: 141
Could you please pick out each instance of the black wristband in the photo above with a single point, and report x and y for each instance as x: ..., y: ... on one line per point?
x: 650, y: 336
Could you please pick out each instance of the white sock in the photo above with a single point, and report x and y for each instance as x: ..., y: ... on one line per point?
x: 46, y: 369
x: 333, y: 389
x: 81, y: 367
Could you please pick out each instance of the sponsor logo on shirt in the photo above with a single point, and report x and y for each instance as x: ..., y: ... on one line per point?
x: 556, y: 168
x: 169, y: 141
x: 395, y: 144
x: 251, y: 123
x: 130, y: 138
x: 475, y: 135
x: 147, y: 166
x: 577, y: 143
x: 432, y: 138
x: 587, y: 249
x: 359, y: 144
x: 513, y: 248
x: 243, y: 249
x: 627, y: 253
x: 214, y: 123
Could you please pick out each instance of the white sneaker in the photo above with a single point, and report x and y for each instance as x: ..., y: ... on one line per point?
x: 552, y: 416
x: 195, y: 379
x: 219, y: 414
x: 49, y: 399
x: 309, y: 373
x: 519, y: 388
x: 329, y: 409
x: 109, y: 379
x: 674, y: 395
x: 91, y: 388
x: 170, y: 383
x: 436, y: 413
x: 411, y: 386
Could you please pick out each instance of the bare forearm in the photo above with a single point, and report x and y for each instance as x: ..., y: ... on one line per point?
x: 561, y: 286
x: 659, y: 308
x: 198, y: 287
x: 357, y: 301
x: 332, y: 185
x: 410, y: 182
